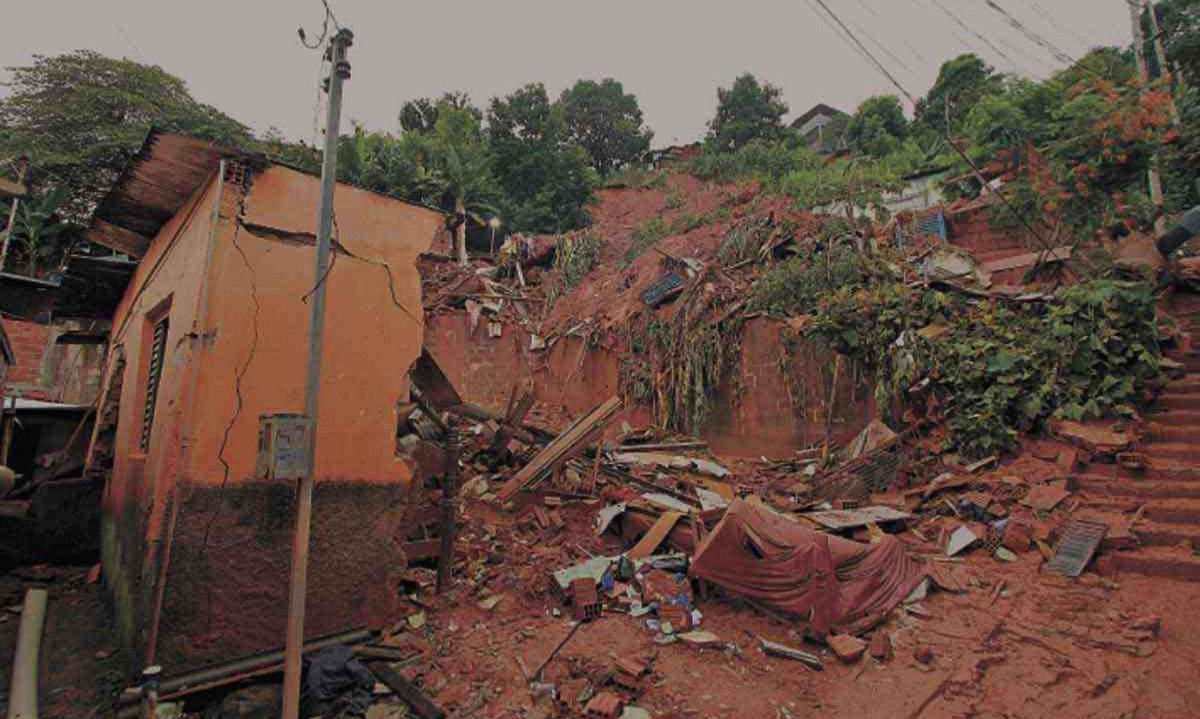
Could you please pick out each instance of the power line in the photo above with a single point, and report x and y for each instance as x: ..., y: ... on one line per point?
x: 832, y: 28
x: 885, y: 51
x: 1037, y: 8
x: 959, y: 21
x: 946, y: 135
x: 1029, y: 33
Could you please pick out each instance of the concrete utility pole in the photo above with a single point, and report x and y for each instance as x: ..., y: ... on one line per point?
x: 339, y: 44
x: 1136, y: 7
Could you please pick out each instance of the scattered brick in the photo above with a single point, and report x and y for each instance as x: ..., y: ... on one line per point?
x: 847, y: 648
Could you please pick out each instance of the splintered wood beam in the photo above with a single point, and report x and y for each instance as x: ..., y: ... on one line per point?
x: 566, y: 445
x: 118, y: 238
x: 410, y: 693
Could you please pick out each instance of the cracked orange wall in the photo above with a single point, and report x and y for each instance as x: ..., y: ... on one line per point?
x: 206, y: 278
x: 369, y: 341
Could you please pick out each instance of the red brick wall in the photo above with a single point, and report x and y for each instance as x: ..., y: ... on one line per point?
x: 772, y: 404
x: 49, y: 371
x: 30, y: 342
x: 974, y: 230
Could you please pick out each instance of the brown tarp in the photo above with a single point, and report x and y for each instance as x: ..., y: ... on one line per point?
x: 834, y: 583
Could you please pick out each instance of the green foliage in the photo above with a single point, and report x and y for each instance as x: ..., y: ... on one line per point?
x: 700, y: 356
x: 421, y: 115
x: 1002, y: 367
x: 796, y: 285
x: 746, y: 111
x: 574, y: 258
x: 81, y: 116
x: 764, y: 160
x: 1179, y: 21
x: 38, y: 234
x: 645, y: 235
x: 635, y: 177
x: 878, y: 127
x: 606, y: 122
x: 547, y: 178
x: 960, y: 84
x: 1074, y: 149
x: 743, y: 242
x: 1182, y: 157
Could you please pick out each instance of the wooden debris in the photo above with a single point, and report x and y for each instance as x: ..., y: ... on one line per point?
x: 774, y: 649
x: 838, y: 520
x: 561, y: 449
x: 407, y: 691
x: 644, y: 548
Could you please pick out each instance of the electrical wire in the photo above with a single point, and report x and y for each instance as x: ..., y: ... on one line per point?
x: 1037, y: 8
x: 329, y: 16
x: 958, y: 150
x: 883, y: 49
x: 982, y: 38
x: 1034, y: 37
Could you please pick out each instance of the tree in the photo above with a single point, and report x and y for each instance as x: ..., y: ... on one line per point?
x: 547, y: 178
x: 960, y: 84
x: 449, y: 166
x: 606, y: 122
x: 461, y: 167
x: 421, y: 115
x: 1179, y: 21
x: 746, y: 111
x: 879, y: 126
x: 81, y: 117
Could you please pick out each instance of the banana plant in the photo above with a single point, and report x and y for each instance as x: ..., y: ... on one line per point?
x: 37, y: 229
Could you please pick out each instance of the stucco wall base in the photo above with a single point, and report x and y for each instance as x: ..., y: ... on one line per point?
x: 227, y: 585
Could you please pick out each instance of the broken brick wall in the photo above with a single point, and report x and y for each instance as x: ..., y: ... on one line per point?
x: 981, y: 230
x: 46, y: 370
x: 775, y: 400
x: 227, y: 582
x: 772, y: 403
x: 568, y: 378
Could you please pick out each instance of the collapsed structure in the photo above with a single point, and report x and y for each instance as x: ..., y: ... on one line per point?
x: 640, y: 420
x: 209, y: 338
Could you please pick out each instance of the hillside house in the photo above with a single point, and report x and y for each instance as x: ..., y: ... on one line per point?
x: 823, y: 128
x: 212, y: 332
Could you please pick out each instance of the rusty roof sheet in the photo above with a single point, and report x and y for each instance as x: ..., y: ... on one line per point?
x: 166, y: 171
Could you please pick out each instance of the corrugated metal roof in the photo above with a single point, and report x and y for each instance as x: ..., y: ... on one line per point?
x: 166, y: 171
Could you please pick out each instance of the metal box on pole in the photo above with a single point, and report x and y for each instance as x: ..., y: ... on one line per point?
x: 283, y: 441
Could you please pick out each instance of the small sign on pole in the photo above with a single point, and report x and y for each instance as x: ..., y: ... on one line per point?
x: 283, y: 440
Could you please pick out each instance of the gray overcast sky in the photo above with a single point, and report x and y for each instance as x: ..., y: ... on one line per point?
x: 243, y: 56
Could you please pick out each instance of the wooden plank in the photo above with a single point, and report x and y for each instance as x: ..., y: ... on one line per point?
x: 655, y: 536
x: 410, y: 693
x: 562, y: 448
x: 118, y: 238
x: 839, y: 519
x: 1029, y: 259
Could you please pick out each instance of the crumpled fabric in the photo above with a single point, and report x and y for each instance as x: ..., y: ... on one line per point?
x: 336, y: 684
x: 835, y: 584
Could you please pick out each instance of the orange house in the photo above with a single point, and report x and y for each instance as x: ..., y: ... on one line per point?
x: 211, y: 334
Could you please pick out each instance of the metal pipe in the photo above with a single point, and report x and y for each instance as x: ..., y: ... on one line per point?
x: 449, y: 502
x: 215, y: 674
x: 298, y: 586
x: 23, y: 700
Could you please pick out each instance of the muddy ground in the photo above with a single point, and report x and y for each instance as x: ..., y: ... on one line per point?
x: 1040, y: 646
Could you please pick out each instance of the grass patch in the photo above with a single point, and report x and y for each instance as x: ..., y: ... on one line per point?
x: 574, y: 258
